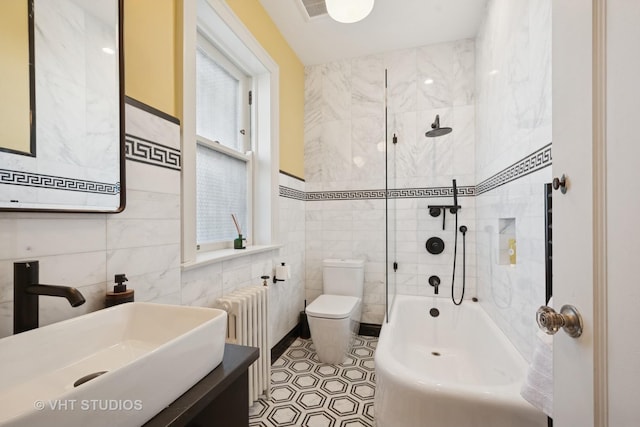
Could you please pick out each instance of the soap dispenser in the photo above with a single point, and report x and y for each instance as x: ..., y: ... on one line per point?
x: 120, y: 292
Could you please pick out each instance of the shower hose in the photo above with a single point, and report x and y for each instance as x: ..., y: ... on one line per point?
x: 464, y: 261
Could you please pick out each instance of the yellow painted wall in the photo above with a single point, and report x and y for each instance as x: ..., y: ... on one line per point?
x: 256, y: 19
x: 149, y: 53
x: 14, y: 69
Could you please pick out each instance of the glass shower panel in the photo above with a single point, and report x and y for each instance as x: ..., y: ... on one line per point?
x: 390, y: 207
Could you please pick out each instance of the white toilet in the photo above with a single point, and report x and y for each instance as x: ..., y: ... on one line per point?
x: 334, y: 317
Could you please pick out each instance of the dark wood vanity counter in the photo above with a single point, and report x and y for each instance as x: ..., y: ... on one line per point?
x: 220, y: 399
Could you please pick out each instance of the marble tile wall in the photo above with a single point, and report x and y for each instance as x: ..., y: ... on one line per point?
x: 287, y: 298
x: 513, y: 108
x: 345, y: 150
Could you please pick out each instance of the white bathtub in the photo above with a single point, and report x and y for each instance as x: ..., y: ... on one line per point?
x: 454, y: 370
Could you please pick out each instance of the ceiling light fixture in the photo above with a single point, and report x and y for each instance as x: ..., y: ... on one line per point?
x: 349, y: 11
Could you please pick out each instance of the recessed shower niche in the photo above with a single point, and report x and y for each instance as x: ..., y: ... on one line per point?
x: 507, y: 253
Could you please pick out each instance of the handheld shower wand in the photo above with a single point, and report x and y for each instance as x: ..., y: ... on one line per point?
x: 463, y: 230
x: 454, y: 209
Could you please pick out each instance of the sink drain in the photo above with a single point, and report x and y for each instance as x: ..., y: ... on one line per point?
x: 435, y: 353
x: 88, y: 378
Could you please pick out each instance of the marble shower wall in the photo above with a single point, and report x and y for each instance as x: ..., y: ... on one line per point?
x: 513, y: 134
x: 86, y: 250
x: 345, y: 164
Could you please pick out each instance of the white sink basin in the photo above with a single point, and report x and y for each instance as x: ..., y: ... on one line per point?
x: 152, y: 353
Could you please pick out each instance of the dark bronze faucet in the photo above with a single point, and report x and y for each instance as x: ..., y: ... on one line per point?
x: 26, y: 291
x: 435, y: 282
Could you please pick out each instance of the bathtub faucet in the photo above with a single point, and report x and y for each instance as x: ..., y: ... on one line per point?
x: 435, y: 282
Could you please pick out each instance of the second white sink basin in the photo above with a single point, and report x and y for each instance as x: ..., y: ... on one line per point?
x: 152, y: 354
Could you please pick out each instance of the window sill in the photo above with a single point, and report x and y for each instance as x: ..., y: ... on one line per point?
x: 213, y: 257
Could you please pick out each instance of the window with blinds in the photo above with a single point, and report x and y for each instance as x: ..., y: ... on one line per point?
x: 223, y: 158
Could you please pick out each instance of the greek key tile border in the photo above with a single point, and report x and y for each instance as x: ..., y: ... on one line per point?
x: 313, y: 196
x: 399, y: 193
x: 534, y: 162
x: 537, y: 160
x: 149, y: 152
x: 292, y: 193
x: 52, y: 182
x: 428, y: 192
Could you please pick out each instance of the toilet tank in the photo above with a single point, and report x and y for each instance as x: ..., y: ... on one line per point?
x: 343, y: 277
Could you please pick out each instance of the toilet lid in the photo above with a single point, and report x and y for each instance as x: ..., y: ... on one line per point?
x: 332, y: 306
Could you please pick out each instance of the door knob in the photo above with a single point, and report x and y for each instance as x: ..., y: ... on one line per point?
x: 560, y: 183
x: 568, y: 319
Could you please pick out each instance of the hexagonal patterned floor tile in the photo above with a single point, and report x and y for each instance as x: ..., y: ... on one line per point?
x: 305, y: 381
x: 298, y: 353
x: 358, y: 342
x: 313, y: 399
x: 367, y: 410
x: 334, y: 386
x: 362, y: 352
x: 354, y: 374
x: 258, y: 409
x: 364, y: 391
x: 280, y: 363
x: 301, y: 366
x: 299, y: 342
x: 315, y: 358
x: 318, y: 419
x: 284, y: 415
x: 327, y: 370
x: 307, y: 392
x: 343, y: 406
x: 368, y: 364
x: 354, y: 422
x: 282, y: 393
x: 280, y: 376
x: 350, y: 360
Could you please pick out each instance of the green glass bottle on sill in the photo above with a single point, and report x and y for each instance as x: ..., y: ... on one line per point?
x: 239, y: 242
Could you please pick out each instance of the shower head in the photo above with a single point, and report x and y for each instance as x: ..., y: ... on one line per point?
x: 436, y: 130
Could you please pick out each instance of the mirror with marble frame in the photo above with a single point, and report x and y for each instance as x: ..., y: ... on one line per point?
x: 62, y: 138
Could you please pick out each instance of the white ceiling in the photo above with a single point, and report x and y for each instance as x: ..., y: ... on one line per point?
x: 393, y: 24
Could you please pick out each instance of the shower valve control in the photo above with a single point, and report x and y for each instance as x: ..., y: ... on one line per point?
x: 568, y: 319
x: 435, y: 282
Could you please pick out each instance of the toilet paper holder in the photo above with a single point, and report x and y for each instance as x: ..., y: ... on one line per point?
x: 283, y: 272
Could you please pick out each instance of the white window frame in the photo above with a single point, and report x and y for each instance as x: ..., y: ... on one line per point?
x: 217, y: 21
x: 244, y: 80
x: 246, y: 155
x: 247, y: 232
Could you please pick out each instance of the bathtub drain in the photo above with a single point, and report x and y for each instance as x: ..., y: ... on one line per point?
x: 435, y: 353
